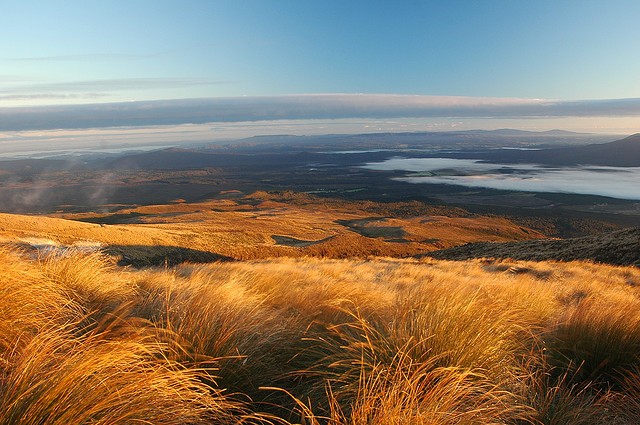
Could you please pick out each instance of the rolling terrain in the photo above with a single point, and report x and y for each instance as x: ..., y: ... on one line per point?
x: 257, y: 285
x: 263, y: 225
x: 329, y: 166
x: 619, y: 153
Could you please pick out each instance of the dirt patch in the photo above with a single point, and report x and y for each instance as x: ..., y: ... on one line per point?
x: 118, y: 218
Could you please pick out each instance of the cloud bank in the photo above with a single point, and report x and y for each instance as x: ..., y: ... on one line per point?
x: 299, y: 107
x: 615, y: 182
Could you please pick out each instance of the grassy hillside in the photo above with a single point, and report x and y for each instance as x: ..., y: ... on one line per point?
x: 621, y: 247
x: 263, y: 225
x: 318, y: 342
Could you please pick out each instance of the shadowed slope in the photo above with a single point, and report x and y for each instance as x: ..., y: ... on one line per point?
x: 621, y: 247
x: 620, y: 153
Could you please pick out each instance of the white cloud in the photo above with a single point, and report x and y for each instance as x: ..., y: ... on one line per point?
x: 82, y: 57
x: 293, y: 107
x: 41, y: 96
x: 615, y: 182
x: 113, y: 84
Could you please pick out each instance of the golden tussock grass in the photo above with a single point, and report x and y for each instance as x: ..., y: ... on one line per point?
x: 107, y: 377
x: 340, y: 342
x: 249, y: 227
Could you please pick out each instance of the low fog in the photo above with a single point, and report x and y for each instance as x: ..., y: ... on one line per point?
x: 615, y: 182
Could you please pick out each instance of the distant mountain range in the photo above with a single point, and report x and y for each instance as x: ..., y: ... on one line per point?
x: 421, y: 139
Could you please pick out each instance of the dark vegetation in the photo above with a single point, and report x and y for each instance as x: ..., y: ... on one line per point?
x: 362, y: 227
x: 621, y: 247
x: 620, y: 153
x: 160, y: 256
x: 295, y: 242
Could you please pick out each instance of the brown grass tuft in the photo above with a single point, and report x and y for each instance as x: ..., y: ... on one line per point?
x: 342, y: 342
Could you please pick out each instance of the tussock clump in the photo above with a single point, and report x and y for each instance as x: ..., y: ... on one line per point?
x: 372, y: 376
x: 625, y: 404
x: 597, y: 342
x: 91, y: 280
x: 556, y: 399
x: 223, y: 322
x: 107, y: 377
x: 73, y: 351
x: 462, y: 328
x: 342, y: 342
x: 27, y: 300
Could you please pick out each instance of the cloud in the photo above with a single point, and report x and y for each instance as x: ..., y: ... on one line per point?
x: 292, y: 107
x: 114, y: 84
x: 11, y: 78
x: 83, y: 57
x: 615, y: 182
x: 42, y: 96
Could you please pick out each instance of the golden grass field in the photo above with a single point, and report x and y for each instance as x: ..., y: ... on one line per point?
x: 317, y: 341
x: 263, y: 225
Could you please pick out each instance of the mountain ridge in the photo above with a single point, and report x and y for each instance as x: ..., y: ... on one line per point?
x: 618, y: 153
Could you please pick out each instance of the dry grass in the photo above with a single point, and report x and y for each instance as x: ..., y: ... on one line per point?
x: 71, y: 352
x: 244, y: 229
x: 108, y: 377
x: 597, y: 341
x: 340, y: 342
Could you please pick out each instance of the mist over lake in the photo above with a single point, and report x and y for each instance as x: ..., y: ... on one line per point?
x: 615, y: 182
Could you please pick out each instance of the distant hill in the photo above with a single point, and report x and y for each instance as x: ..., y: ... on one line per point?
x: 516, y: 132
x: 417, y: 140
x: 35, y: 166
x: 621, y: 247
x: 619, y: 153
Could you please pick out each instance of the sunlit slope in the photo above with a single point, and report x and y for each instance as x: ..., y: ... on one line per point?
x: 261, y: 226
x: 317, y: 341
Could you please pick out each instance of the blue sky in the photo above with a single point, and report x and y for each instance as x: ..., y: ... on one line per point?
x: 82, y: 52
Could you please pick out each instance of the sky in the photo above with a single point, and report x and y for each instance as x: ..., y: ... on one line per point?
x: 457, y: 64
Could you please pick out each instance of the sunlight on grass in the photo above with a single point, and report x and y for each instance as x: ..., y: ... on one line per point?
x: 311, y: 341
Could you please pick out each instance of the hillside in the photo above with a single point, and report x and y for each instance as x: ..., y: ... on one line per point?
x: 261, y: 225
x: 621, y: 247
x: 310, y: 341
x: 619, y: 153
x: 351, y: 338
